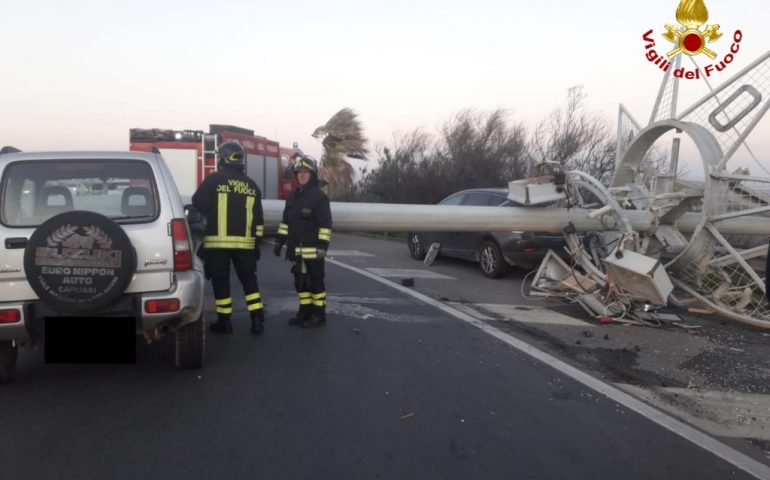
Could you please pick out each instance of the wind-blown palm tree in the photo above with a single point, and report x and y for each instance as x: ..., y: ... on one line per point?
x: 341, y: 136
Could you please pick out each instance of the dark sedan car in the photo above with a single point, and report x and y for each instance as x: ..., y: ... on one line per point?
x: 495, y: 251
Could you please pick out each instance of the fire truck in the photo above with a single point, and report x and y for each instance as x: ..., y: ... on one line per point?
x: 288, y: 159
x: 191, y: 156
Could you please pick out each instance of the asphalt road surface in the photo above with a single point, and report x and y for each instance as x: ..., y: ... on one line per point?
x: 391, y: 388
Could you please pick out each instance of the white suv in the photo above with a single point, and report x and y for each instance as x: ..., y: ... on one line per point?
x: 98, y: 236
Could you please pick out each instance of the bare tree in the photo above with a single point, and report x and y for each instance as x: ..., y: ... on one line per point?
x: 401, y: 176
x: 341, y: 136
x: 576, y: 139
x: 475, y: 149
x: 480, y: 149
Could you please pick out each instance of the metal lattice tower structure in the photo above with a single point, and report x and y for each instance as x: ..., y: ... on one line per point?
x: 709, y: 267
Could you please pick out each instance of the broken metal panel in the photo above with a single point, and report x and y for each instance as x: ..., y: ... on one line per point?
x: 628, y: 128
x: 732, y: 110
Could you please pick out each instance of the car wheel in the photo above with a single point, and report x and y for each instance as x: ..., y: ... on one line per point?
x: 79, y: 261
x: 417, y: 247
x: 491, y: 260
x: 8, y: 354
x: 191, y: 345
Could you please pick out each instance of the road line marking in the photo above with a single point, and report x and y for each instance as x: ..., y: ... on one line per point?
x: 348, y: 253
x: 747, y: 409
x: 520, y: 313
x: 706, y: 442
x: 408, y: 273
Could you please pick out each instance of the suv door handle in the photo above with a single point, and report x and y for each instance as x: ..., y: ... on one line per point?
x: 16, y: 242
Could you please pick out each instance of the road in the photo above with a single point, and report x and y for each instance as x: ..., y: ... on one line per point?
x: 392, y: 387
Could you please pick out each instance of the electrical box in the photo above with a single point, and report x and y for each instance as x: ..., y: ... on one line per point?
x: 642, y: 276
x: 534, y: 191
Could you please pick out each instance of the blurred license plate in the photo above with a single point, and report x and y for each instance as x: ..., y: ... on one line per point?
x: 90, y: 340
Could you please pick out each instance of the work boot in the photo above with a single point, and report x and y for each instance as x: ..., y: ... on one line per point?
x: 257, y: 326
x: 315, y: 320
x: 301, y: 316
x: 222, y: 325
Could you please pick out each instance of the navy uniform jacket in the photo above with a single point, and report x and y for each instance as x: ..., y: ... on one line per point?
x: 232, y: 203
x: 307, y: 222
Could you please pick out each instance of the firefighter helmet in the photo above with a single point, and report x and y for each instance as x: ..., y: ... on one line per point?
x: 231, y: 154
x: 308, y: 163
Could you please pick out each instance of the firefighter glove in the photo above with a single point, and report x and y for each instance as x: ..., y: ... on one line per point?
x: 277, y: 249
x: 321, y: 253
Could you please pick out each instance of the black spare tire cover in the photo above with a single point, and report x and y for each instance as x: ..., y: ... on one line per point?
x: 79, y: 261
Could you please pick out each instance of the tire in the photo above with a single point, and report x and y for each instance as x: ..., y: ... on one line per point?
x: 491, y: 260
x: 417, y: 247
x: 191, y: 345
x: 8, y: 354
x: 79, y: 261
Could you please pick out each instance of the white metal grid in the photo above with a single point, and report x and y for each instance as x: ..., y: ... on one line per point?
x: 713, y: 113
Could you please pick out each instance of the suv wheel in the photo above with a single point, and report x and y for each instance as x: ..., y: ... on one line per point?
x: 491, y: 260
x: 79, y: 261
x: 191, y: 345
x: 417, y: 246
x: 8, y: 354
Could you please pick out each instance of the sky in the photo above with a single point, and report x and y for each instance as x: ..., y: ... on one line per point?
x: 77, y: 75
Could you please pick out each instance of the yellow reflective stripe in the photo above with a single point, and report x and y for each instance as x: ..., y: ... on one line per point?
x: 222, y: 214
x: 228, y: 238
x: 306, y: 252
x: 224, y: 301
x: 253, y: 296
x: 214, y: 241
x: 325, y: 234
x: 304, y: 298
x: 283, y: 229
x: 254, y: 306
x: 319, y: 299
x: 249, y: 214
x: 260, y: 230
x: 224, y: 309
x: 229, y: 245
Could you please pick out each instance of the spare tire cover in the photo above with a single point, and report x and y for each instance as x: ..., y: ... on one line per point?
x: 79, y: 261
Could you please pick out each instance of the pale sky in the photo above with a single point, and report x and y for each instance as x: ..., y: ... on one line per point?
x: 79, y: 74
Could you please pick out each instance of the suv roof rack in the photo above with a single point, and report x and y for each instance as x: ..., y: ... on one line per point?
x: 9, y: 149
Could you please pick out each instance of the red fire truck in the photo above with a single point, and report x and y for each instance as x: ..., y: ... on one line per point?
x: 288, y: 159
x: 191, y: 156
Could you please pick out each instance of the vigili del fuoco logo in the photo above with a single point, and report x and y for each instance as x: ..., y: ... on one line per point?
x: 693, y: 36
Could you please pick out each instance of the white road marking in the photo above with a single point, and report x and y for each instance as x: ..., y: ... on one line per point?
x: 678, y: 427
x: 348, y: 253
x: 408, y: 273
x: 749, y: 410
x: 520, y: 313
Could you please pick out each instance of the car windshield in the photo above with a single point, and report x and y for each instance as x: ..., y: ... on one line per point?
x: 37, y: 190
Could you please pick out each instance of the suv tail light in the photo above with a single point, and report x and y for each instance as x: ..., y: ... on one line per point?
x: 162, y: 306
x: 10, y: 316
x: 182, y: 247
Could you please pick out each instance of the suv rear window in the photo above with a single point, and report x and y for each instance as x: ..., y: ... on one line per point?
x: 35, y: 191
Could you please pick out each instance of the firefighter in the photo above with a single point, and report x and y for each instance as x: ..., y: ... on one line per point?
x: 306, y: 231
x: 232, y: 204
